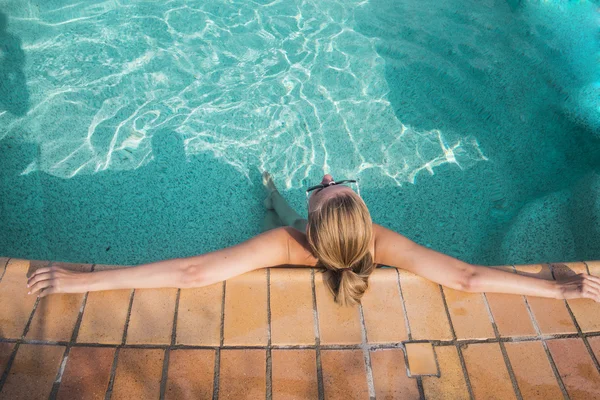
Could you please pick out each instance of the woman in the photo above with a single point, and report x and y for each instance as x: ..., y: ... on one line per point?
x: 338, y: 236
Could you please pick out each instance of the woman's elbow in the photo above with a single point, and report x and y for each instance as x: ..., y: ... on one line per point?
x: 191, y: 276
x: 470, y: 278
x: 466, y: 281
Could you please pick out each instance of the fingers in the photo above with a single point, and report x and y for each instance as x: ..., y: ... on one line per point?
x: 590, y: 287
x: 40, y: 285
x: 594, y: 279
x: 590, y: 294
x: 582, y: 286
x: 38, y: 272
x: 47, y: 276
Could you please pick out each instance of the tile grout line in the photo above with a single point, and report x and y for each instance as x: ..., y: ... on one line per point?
x: 409, y: 335
x: 366, y: 353
x: 74, y: 334
x: 218, y: 349
x: 269, y: 371
x: 320, y: 385
x: 420, y: 387
x: 167, y: 355
x: 587, y: 268
x: 511, y: 372
x: 502, y: 348
x: 507, y: 363
x: 447, y: 310
x: 538, y: 330
x: 5, y: 268
x: 13, y: 354
x: 461, y: 357
x: 113, y: 368
x: 406, y: 322
x: 372, y: 346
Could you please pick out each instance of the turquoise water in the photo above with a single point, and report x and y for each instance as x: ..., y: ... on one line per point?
x: 133, y: 131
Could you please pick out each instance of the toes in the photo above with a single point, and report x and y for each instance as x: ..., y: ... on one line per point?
x: 268, y: 181
x: 266, y: 177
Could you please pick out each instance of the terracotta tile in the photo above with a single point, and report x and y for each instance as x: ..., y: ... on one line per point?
x: 594, y: 267
x: 451, y: 383
x: 586, y: 311
x: 575, y: 366
x: 55, y: 317
x: 507, y: 268
x: 242, y: 374
x: 541, y: 271
x: 6, y: 350
x: 344, y: 374
x: 152, y: 312
x: 191, y: 374
x: 510, y: 314
x: 532, y: 369
x: 487, y: 371
x: 16, y: 303
x: 425, y: 308
x: 246, y: 321
x: 563, y: 270
x: 469, y: 314
x: 551, y: 315
x: 594, y: 342
x: 337, y: 324
x: 294, y: 374
x: 138, y: 374
x: 33, y: 372
x: 104, y: 267
x: 292, y: 318
x: 104, y: 317
x: 382, y: 308
x: 390, y: 376
x: 199, y: 316
x: 421, y: 359
x: 87, y: 373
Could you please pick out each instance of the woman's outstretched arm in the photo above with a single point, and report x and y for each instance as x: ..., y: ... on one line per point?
x: 398, y: 251
x: 268, y: 249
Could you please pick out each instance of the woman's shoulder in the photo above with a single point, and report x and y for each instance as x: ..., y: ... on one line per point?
x: 298, y: 248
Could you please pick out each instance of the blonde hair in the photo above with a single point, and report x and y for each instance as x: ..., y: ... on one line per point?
x: 339, y: 233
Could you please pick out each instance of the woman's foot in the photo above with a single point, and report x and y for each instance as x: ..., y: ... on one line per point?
x: 268, y: 181
x: 270, y: 186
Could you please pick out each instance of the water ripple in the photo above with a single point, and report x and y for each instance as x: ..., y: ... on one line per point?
x: 283, y: 86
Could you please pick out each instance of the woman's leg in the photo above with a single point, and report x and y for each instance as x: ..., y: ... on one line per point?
x: 274, y: 201
x: 271, y: 221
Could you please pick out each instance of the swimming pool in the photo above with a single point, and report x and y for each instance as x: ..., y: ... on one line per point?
x: 132, y: 131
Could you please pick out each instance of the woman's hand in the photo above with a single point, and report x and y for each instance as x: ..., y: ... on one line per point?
x: 580, y: 286
x: 56, y: 280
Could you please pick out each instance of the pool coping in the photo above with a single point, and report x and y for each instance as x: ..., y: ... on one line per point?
x: 330, y: 342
